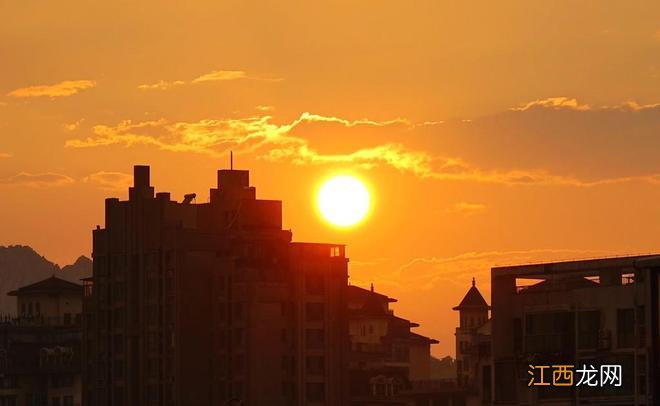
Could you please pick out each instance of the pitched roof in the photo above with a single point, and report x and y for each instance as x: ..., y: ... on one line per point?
x: 472, y: 299
x: 49, y: 285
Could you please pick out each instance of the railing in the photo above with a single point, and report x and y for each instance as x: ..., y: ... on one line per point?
x: 41, y: 321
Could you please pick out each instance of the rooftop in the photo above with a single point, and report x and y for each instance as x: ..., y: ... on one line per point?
x: 472, y: 299
x: 49, y: 285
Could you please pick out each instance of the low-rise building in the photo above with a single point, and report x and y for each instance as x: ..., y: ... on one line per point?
x: 40, y: 361
x: 388, y: 363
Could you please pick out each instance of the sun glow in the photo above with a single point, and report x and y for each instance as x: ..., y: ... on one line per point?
x: 343, y: 201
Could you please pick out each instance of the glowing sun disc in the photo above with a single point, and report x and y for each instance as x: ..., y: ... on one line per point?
x: 343, y: 201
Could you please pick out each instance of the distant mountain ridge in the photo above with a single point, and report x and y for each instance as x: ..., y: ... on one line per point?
x: 20, y: 265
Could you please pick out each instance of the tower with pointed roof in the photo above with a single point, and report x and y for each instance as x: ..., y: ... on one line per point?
x: 473, y: 323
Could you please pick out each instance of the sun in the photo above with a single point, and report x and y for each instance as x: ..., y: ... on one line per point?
x: 343, y: 201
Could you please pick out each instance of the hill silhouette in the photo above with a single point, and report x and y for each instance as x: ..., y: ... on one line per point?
x: 20, y: 265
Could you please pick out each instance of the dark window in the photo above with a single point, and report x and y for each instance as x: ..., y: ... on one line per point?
x: 314, y: 284
x: 588, y: 327
x: 517, y: 335
x: 641, y: 326
x: 549, y: 332
x: 315, y: 392
x: 315, y: 338
x: 625, y: 328
x: 315, y: 364
x: 314, y: 311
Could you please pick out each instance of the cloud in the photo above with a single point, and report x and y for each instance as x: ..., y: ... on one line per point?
x: 278, y: 142
x: 466, y: 208
x: 4, y: 155
x: 161, y: 85
x: 74, y: 125
x: 429, y: 272
x: 569, y: 103
x: 264, y: 108
x: 220, y: 75
x: 213, y: 76
x: 554, y: 103
x: 61, y: 89
x: 47, y: 179
x: 109, y: 180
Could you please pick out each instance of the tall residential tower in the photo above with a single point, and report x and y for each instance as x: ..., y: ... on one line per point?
x: 211, y: 303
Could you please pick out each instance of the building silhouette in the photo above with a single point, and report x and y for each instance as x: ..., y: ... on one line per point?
x: 590, y: 312
x: 473, y: 346
x: 40, y: 360
x: 211, y: 304
x: 389, y: 363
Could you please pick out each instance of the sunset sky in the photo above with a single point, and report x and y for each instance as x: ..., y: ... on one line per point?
x: 488, y: 133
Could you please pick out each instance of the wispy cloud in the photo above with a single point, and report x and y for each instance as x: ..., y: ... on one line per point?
x: 220, y: 75
x: 264, y: 108
x: 61, y: 89
x: 466, y: 208
x: 570, y: 103
x: 213, y: 76
x: 5, y: 155
x: 428, y: 272
x: 109, y: 180
x: 161, y: 85
x: 74, y: 125
x: 47, y: 179
x: 277, y: 142
x: 554, y: 103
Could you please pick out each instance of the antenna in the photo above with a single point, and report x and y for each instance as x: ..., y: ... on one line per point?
x: 231, y: 160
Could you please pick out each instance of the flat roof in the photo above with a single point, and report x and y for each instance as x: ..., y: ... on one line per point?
x: 633, y: 261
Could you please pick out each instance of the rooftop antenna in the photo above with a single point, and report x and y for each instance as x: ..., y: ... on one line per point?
x: 231, y: 160
x: 372, y: 286
x: 473, y: 281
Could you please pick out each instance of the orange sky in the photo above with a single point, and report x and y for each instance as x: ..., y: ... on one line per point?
x: 488, y: 133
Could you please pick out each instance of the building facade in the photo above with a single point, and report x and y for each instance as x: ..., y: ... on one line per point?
x: 211, y: 304
x: 473, y: 347
x: 580, y: 313
x: 40, y: 360
x: 389, y: 363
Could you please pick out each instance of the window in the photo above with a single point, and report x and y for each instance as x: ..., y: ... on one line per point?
x: 641, y: 326
x: 588, y: 327
x: 517, y: 335
x: 315, y: 364
x: 314, y: 284
x: 549, y: 332
x: 625, y: 328
x: 55, y: 401
x: 314, y: 311
x: 30, y: 308
x: 315, y: 338
x: 67, y: 319
x: 315, y: 392
x: 38, y: 308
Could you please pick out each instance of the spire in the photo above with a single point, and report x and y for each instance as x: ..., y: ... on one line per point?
x: 472, y: 299
x: 372, y: 286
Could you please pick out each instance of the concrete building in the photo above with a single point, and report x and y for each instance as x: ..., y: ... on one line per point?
x: 389, y: 363
x: 590, y: 312
x: 212, y: 303
x: 40, y: 347
x: 473, y: 347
